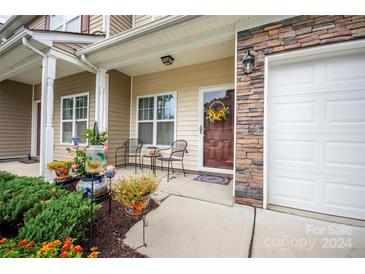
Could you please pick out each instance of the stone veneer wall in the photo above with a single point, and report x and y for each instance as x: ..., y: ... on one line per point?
x: 293, y: 33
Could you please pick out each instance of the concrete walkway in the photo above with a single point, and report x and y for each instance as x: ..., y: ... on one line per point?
x: 184, y: 227
x: 20, y: 169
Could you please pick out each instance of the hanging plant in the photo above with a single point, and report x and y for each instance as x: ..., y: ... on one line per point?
x: 217, y: 112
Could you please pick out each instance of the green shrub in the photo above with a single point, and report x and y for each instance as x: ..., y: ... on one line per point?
x: 6, y: 176
x: 68, y: 215
x: 20, y: 194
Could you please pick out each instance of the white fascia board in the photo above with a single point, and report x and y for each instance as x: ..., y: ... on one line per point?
x: 48, y: 38
x: 67, y: 57
x: 260, y: 20
x: 20, y: 67
x: 154, y: 26
x: 200, y: 40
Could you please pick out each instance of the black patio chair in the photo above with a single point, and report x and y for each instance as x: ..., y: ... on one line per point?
x: 132, y: 148
x: 178, y: 150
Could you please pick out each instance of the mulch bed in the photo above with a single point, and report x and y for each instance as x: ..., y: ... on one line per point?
x: 109, y: 230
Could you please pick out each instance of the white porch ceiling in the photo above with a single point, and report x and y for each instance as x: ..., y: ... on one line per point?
x: 202, y: 54
x: 33, y: 75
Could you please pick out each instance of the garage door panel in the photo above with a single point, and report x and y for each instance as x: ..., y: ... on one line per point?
x: 343, y: 197
x: 302, y: 76
x: 316, y: 130
x: 345, y: 70
x: 286, y: 189
x: 297, y: 112
x: 297, y: 151
x: 345, y: 111
x: 351, y: 154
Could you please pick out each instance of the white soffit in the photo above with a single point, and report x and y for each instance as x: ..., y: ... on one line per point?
x: 184, y: 58
x: 33, y: 75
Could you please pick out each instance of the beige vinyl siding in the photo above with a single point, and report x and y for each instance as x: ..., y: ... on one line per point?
x: 15, y: 119
x: 39, y: 23
x: 186, y: 82
x: 118, y: 111
x: 70, y: 85
x: 69, y: 47
x: 96, y: 23
x: 120, y: 23
x: 141, y: 20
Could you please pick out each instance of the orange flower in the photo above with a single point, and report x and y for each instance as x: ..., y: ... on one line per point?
x: 30, y: 244
x: 56, y: 242
x: 3, y: 240
x: 50, y: 245
x: 64, y: 255
x: 93, y: 254
x: 66, y: 246
x: 94, y: 248
x: 77, y: 248
x: 44, y: 243
x: 23, y: 242
x: 68, y: 239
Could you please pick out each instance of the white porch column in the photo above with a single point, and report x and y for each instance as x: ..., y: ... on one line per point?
x: 101, y: 99
x: 47, y: 132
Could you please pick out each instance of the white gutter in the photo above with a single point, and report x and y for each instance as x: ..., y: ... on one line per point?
x: 43, y: 103
x: 154, y: 26
x: 13, y: 23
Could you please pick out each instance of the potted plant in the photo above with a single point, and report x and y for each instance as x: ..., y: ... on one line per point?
x: 134, y: 192
x: 61, y: 168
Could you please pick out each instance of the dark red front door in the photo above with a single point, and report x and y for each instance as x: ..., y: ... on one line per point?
x: 38, y: 128
x: 218, y: 136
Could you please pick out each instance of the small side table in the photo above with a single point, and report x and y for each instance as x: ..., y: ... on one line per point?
x: 153, y: 161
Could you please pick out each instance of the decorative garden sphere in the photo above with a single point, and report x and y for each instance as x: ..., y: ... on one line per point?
x: 110, y: 171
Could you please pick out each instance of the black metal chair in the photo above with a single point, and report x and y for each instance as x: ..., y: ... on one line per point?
x: 178, y: 150
x: 132, y: 148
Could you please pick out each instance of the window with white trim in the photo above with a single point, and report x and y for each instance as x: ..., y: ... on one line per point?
x: 69, y: 23
x: 156, y: 119
x: 74, y: 117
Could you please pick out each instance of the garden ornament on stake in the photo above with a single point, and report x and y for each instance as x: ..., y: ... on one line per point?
x: 110, y: 173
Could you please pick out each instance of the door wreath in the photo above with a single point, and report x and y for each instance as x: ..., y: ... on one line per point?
x: 217, y: 112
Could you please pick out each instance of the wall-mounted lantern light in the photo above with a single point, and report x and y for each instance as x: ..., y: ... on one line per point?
x: 248, y: 63
x: 167, y: 60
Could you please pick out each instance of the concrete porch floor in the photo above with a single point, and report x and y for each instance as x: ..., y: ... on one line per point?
x: 20, y: 169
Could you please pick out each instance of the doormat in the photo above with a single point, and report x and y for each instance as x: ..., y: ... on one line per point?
x: 213, y: 179
x: 29, y: 161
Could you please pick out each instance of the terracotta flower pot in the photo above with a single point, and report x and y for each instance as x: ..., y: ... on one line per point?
x: 136, y: 210
x: 62, y: 172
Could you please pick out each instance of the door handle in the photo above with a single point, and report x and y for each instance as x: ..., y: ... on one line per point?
x: 201, y: 129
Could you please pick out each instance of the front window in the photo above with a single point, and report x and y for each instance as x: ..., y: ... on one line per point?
x: 74, y: 117
x: 156, y: 119
x: 69, y: 23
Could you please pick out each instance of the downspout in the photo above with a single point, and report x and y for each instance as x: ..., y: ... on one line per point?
x: 26, y: 44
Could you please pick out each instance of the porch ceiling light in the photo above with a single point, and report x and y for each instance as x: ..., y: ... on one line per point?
x: 167, y: 60
x: 248, y: 63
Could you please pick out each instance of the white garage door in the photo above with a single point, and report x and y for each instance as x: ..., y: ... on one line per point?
x: 316, y: 135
